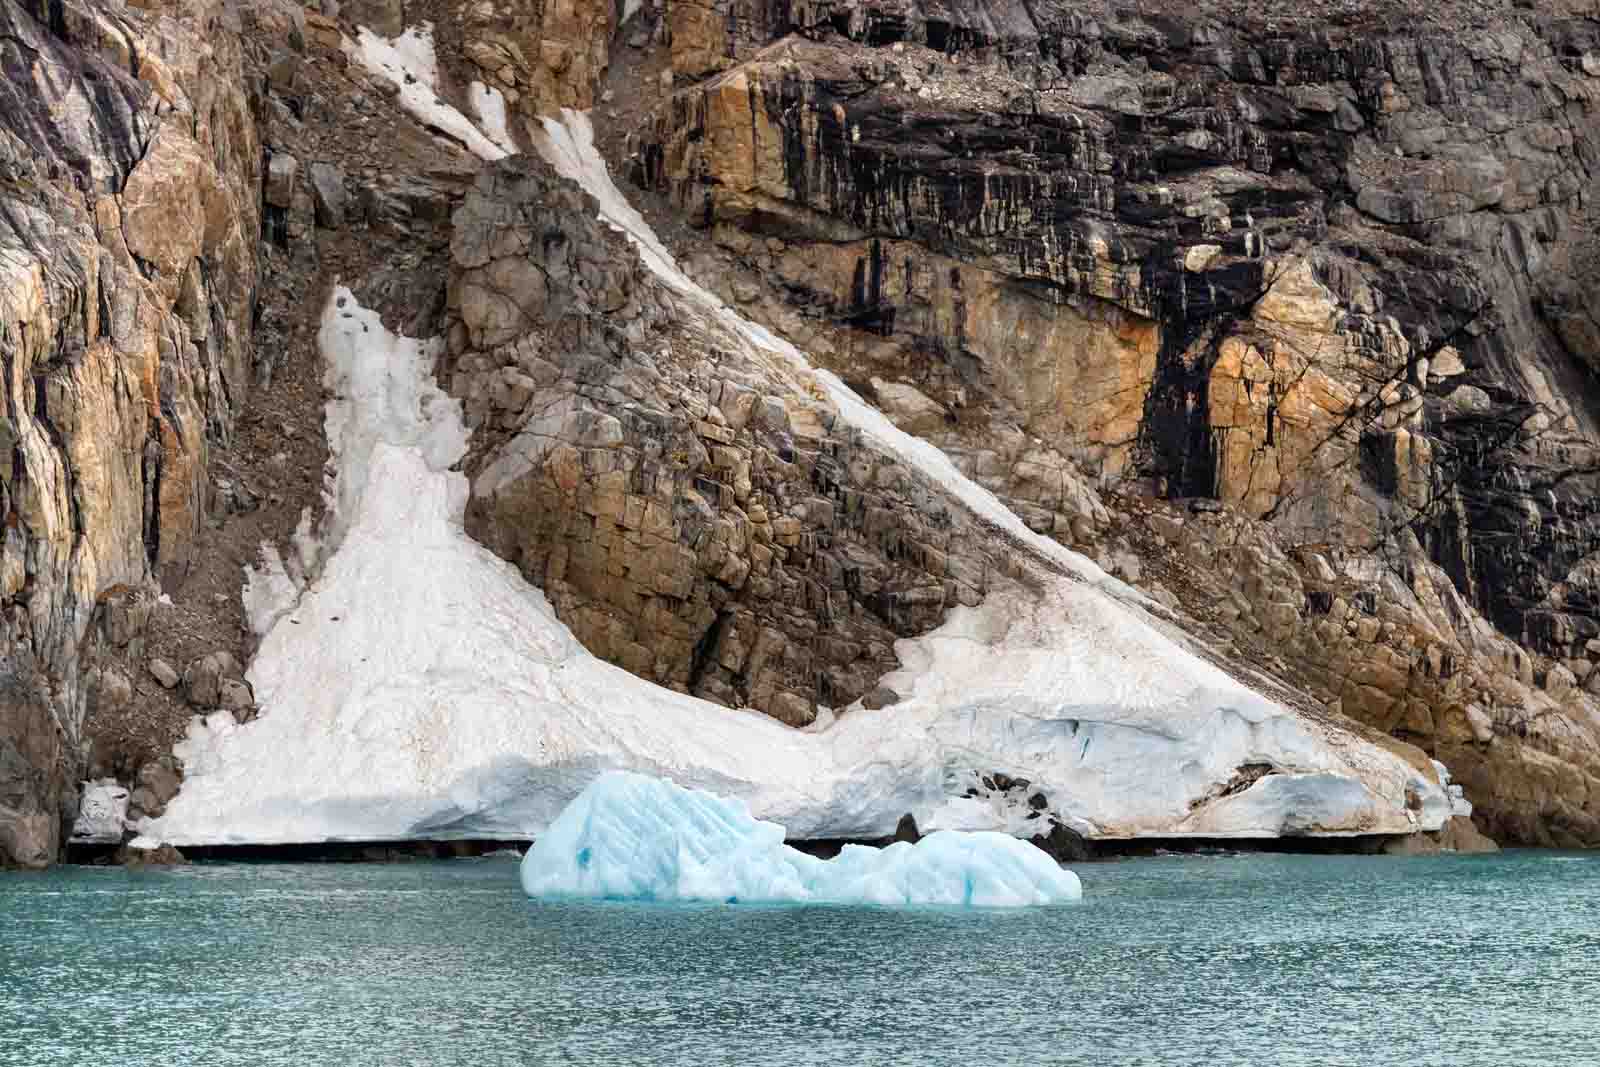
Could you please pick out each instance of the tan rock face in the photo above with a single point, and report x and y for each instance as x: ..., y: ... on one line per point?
x: 544, y: 56
x: 694, y: 517
x: 1077, y: 373
x: 126, y: 281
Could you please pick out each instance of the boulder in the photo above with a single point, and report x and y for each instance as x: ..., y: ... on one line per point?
x: 203, y: 678
x: 164, y: 673
x: 328, y: 195
x: 908, y: 407
x: 282, y: 170
x: 162, y: 855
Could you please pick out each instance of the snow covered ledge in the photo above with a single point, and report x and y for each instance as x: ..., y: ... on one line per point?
x: 420, y: 689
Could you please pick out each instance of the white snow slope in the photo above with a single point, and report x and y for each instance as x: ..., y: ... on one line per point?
x: 421, y: 689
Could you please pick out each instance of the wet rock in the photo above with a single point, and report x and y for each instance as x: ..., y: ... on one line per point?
x: 1461, y: 835
x: 1063, y: 844
x: 162, y: 855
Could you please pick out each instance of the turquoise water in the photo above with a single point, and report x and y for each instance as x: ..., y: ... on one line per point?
x: 1254, y: 959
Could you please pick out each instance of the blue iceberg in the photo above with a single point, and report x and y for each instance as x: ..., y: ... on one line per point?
x: 632, y: 837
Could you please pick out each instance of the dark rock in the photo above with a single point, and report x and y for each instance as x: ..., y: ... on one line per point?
x: 160, y: 856
x: 906, y: 829
x: 880, y: 697
x: 1063, y: 845
x: 34, y: 782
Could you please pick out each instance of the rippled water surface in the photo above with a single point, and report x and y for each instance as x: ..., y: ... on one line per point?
x: 1279, y: 960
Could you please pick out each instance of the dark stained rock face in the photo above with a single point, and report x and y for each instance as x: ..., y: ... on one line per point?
x: 1335, y: 271
x: 34, y: 772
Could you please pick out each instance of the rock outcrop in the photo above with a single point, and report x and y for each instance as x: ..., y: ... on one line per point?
x: 128, y: 221
x: 695, y: 518
x: 1330, y: 272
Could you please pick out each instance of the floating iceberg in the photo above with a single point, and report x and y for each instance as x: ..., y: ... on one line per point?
x: 631, y: 837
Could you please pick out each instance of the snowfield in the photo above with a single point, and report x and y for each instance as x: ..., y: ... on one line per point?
x: 419, y: 688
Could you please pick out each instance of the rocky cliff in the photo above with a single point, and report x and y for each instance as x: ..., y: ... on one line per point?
x: 1284, y: 318
x: 128, y: 208
x: 1327, y: 271
x: 694, y: 517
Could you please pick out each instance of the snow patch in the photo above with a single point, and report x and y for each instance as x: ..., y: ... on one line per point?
x: 410, y: 63
x: 489, y: 105
x: 628, y: 837
x: 268, y: 591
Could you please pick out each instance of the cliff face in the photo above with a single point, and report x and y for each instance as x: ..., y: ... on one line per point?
x: 694, y: 516
x: 1330, y: 273
x: 1288, y: 321
x: 128, y: 208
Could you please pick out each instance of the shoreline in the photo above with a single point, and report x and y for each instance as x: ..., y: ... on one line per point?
x: 1086, y: 851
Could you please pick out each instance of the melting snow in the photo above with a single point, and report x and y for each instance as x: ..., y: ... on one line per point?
x: 420, y: 688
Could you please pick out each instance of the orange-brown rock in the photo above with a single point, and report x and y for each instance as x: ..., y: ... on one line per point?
x: 127, y: 278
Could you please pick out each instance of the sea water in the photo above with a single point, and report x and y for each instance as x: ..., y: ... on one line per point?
x: 1200, y: 959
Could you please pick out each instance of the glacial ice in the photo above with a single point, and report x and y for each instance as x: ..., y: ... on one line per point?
x: 632, y: 837
x: 419, y: 688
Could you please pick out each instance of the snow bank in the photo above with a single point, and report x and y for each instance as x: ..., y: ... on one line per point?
x: 489, y: 105
x: 421, y: 689
x: 628, y: 837
x: 409, y: 62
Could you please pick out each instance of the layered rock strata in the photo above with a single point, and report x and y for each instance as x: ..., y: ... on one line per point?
x: 1329, y: 274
